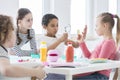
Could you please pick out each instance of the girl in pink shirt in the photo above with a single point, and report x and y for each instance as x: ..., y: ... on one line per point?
x: 106, y: 49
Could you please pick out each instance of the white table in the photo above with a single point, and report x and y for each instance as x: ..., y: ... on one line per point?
x: 68, y: 72
x: 14, y: 61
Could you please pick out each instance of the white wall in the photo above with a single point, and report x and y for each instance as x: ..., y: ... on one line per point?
x: 9, y: 7
x: 101, y: 6
x: 61, y: 8
x: 46, y: 6
x: 90, y: 17
x: 118, y: 7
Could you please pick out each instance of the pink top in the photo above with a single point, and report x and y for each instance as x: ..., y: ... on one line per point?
x: 106, y: 49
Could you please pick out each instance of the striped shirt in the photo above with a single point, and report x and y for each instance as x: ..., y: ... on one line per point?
x: 3, y: 54
x: 17, y: 48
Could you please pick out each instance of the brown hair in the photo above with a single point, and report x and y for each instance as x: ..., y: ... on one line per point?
x: 109, y: 18
x: 47, y: 18
x: 6, y: 26
x: 21, y: 14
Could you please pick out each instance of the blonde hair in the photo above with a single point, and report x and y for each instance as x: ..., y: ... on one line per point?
x: 109, y: 18
x: 118, y: 30
x: 6, y: 26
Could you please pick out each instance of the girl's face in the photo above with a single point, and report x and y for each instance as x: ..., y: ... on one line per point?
x: 26, y: 22
x: 52, y: 27
x: 100, y: 28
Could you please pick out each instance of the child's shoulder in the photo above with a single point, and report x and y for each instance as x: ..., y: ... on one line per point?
x: 109, y: 42
x: 44, y: 37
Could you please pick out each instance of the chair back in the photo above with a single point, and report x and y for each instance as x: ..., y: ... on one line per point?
x: 114, y: 75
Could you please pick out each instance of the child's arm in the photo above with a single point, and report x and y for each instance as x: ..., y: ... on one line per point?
x: 85, y: 50
x: 6, y: 69
x: 63, y: 38
x: 108, y: 48
x: 75, y: 44
x: 80, y: 39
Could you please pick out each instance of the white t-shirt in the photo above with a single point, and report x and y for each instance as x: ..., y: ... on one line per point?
x: 51, y: 40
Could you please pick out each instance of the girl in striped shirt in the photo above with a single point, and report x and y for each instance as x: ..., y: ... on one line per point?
x: 25, y: 33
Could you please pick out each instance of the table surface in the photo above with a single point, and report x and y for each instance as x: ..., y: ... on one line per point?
x: 68, y: 72
x: 84, y: 68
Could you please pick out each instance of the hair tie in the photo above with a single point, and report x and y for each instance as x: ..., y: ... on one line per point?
x: 113, y: 16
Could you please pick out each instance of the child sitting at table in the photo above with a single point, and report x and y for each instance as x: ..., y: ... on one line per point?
x: 106, y: 49
x: 7, y: 40
x: 50, y: 25
x: 25, y: 33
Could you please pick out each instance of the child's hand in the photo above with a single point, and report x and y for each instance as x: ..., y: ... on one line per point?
x: 64, y: 37
x: 40, y: 72
x: 84, y: 32
x: 81, y: 37
x: 75, y: 44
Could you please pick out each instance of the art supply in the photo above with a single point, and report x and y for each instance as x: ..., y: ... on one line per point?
x: 53, y: 55
x: 43, y: 51
x: 35, y: 55
x: 69, y: 52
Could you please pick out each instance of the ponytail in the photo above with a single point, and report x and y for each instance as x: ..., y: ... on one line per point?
x: 118, y: 30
